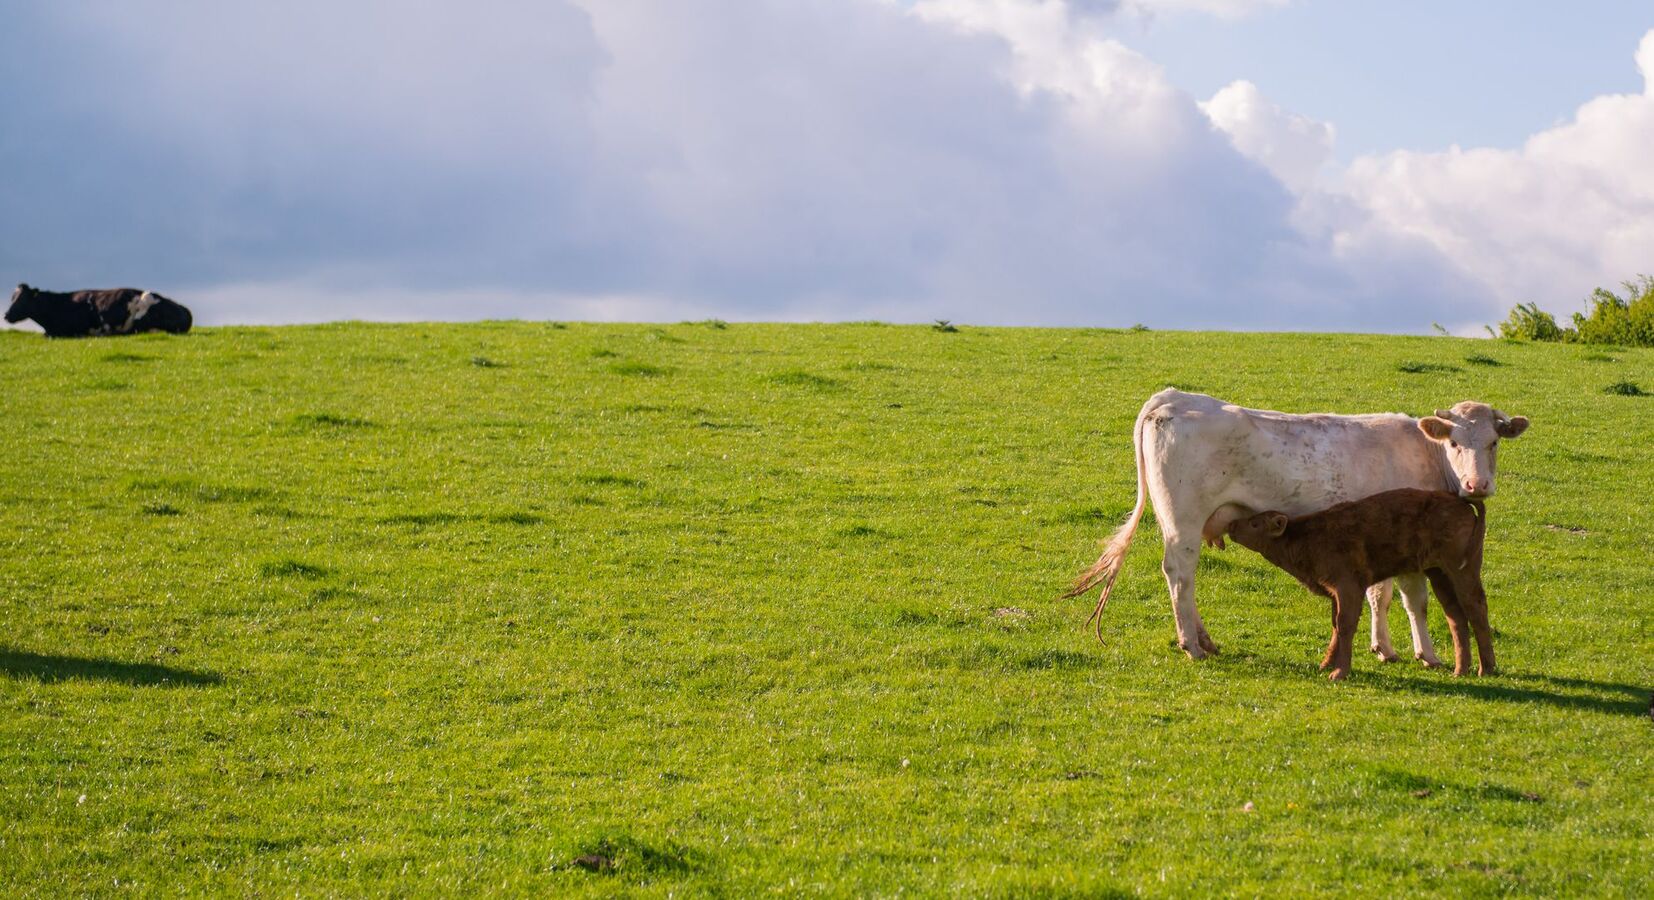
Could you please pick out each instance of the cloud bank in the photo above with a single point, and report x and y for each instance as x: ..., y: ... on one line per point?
x: 990, y: 161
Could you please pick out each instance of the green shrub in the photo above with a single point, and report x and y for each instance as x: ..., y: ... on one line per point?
x: 1530, y: 323
x: 1627, y: 320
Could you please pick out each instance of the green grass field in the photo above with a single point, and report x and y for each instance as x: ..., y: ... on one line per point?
x: 481, y: 608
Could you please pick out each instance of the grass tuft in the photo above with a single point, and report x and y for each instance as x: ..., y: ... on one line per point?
x: 1625, y: 388
x: 423, y: 518
x: 638, y: 369
x: 1424, y: 368
x: 861, y: 530
x: 291, y: 568
x: 610, y: 479
x: 327, y: 421
x: 801, y: 378
x: 1478, y: 359
x: 624, y: 855
x: 516, y: 518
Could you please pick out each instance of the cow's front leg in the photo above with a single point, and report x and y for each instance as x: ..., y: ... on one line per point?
x: 1378, y: 597
x: 1179, y: 566
x: 1415, y: 596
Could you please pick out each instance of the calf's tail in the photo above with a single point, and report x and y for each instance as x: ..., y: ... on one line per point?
x: 1107, y: 566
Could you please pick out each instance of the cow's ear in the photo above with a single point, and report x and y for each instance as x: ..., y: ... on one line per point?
x: 1436, y: 428
x: 1277, y: 525
x: 1512, y: 427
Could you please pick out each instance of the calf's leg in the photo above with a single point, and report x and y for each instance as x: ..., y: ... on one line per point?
x: 1378, y: 597
x: 1468, y: 586
x: 1347, y: 599
x: 1415, y: 596
x: 1457, y: 625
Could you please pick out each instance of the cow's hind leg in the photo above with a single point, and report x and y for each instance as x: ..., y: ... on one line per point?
x: 1378, y: 597
x: 1182, y: 555
x: 1415, y: 596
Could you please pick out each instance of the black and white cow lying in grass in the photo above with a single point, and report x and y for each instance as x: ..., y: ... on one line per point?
x: 96, y: 313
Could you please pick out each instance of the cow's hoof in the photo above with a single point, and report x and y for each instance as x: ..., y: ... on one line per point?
x: 1429, y: 660
x: 1486, y: 671
x: 1194, y: 651
x: 1459, y: 673
x: 1338, y: 674
x: 1207, y: 645
x: 1385, y: 653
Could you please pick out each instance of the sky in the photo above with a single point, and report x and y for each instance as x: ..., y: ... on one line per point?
x: 1326, y: 165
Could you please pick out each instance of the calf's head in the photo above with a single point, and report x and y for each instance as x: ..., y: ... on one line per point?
x: 1469, y: 434
x: 1258, y: 531
x: 22, y: 303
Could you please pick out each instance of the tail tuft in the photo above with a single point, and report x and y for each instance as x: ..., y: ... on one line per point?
x: 1107, y: 567
x: 1103, y: 572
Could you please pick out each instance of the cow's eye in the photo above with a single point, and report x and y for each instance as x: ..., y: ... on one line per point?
x: 1452, y: 443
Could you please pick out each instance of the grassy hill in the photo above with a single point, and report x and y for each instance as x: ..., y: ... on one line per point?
x: 463, y: 608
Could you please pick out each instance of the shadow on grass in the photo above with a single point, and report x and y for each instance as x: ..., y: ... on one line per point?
x: 52, y: 669
x: 1612, y: 698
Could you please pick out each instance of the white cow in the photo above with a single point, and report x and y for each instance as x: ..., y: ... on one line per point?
x: 1203, y: 462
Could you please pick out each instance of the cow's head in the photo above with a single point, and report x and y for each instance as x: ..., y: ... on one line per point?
x: 22, y: 303
x: 1469, y: 433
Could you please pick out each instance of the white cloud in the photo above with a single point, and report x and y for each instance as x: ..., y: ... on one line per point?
x: 1291, y: 146
x: 1571, y: 209
x: 1645, y: 61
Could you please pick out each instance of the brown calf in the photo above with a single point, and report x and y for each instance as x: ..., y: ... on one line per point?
x: 1341, y: 550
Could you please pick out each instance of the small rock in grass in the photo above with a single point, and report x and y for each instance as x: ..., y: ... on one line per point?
x: 1248, y: 807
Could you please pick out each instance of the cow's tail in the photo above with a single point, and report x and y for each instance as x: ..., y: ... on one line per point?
x: 1107, y: 567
